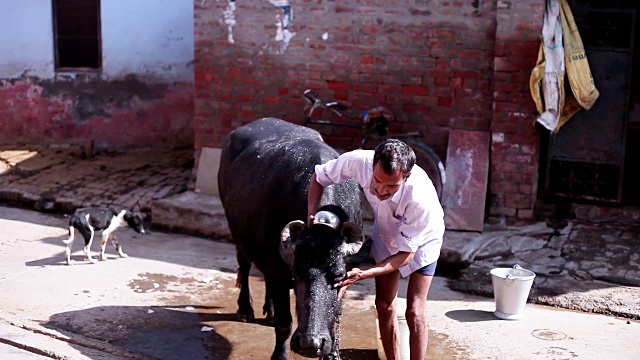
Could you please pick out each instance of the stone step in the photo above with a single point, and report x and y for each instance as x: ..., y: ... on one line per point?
x: 191, y: 213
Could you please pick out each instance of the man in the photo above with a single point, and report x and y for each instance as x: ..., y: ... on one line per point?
x: 407, y: 233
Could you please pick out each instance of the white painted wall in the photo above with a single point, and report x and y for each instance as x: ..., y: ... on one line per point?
x: 26, y: 38
x: 152, y: 39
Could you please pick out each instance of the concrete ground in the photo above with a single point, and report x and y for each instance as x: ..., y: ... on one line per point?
x: 174, y: 298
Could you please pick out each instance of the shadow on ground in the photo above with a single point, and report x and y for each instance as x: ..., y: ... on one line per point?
x: 168, y: 333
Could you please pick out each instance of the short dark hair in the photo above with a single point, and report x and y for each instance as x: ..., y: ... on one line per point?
x: 394, y: 155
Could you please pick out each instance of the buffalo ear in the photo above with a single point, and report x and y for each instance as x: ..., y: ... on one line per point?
x: 354, y: 239
x: 363, y: 256
x: 288, y: 238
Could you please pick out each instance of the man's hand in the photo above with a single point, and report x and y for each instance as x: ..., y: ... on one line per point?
x: 310, y: 219
x: 353, y: 275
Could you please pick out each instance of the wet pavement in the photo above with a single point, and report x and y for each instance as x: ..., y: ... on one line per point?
x: 149, y: 307
x: 174, y: 297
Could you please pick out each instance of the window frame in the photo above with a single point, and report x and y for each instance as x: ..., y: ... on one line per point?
x: 61, y: 69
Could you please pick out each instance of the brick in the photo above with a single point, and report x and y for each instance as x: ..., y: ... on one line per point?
x: 415, y: 90
x: 389, y: 89
x: 470, y: 54
x: 367, y: 59
x: 339, y: 85
x: 526, y: 189
x: 371, y: 30
x: 507, y: 87
x: 456, y: 82
x: 524, y: 50
x: 441, y: 81
x: 508, y: 64
x: 525, y: 214
x: 529, y: 149
x: 506, y: 211
x: 506, y: 107
x: 519, y: 159
x: 445, y: 101
x: 518, y: 201
x: 504, y: 187
x: 271, y: 100
x: 505, y: 127
x: 444, y: 33
x: 505, y: 167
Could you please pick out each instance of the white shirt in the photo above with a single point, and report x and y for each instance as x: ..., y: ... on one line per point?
x: 411, y: 220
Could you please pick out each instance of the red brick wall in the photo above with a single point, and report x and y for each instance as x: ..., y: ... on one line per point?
x: 515, y: 140
x: 429, y: 62
x: 438, y: 65
x: 125, y: 113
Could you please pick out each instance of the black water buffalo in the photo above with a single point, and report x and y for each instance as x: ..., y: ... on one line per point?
x: 263, y: 180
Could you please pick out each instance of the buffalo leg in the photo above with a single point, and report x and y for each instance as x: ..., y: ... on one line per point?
x: 282, y: 318
x: 267, y: 309
x: 245, y: 303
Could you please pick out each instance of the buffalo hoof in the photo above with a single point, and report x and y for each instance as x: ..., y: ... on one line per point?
x: 280, y: 356
x: 245, y: 316
x: 268, y: 311
x: 335, y: 356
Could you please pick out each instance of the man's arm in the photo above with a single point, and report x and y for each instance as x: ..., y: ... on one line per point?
x: 393, y: 262
x: 315, y: 194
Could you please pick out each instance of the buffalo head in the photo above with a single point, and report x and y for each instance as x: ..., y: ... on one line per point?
x: 317, y: 257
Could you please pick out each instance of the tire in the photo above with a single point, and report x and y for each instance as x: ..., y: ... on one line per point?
x: 429, y: 161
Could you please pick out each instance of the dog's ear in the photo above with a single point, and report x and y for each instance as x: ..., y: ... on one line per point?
x: 135, y: 208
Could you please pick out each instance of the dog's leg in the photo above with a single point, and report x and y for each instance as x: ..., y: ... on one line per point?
x: 88, y: 239
x: 69, y: 242
x: 103, y: 245
x: 114, y: 241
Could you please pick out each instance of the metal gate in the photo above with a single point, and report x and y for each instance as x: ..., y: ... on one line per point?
x: 586, y: 157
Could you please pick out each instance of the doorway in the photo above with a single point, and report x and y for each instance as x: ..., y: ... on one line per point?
x: 593, y: 157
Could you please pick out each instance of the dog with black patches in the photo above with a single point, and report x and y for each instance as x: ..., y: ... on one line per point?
x: 87, y: 221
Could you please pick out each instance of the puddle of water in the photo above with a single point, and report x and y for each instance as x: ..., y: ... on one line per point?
x: 358, y: 340
x: 172, y: 329
x: 148, y: 282
x: 557, y: 353
x: 546, y: 334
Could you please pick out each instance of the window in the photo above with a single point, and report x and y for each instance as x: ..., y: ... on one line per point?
x: 77, y: 34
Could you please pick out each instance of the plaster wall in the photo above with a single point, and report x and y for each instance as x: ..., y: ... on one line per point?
x: 150, y: 38
x: 143, y: 95
x: 26, y: 39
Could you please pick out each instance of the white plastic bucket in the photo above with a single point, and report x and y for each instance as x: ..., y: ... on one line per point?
x: 403, y: 331
x: 511, y: 288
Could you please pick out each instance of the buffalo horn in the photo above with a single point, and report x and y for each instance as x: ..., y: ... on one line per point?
x: 288, y: 238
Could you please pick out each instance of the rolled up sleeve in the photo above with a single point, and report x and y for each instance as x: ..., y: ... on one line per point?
x: 339, y: 170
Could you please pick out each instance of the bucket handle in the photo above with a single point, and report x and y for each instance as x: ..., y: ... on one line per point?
x: 509, y: 280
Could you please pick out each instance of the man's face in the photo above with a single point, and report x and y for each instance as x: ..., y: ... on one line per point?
x: 383, y: 185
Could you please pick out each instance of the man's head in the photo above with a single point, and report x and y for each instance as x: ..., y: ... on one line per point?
x: 392, y: 164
